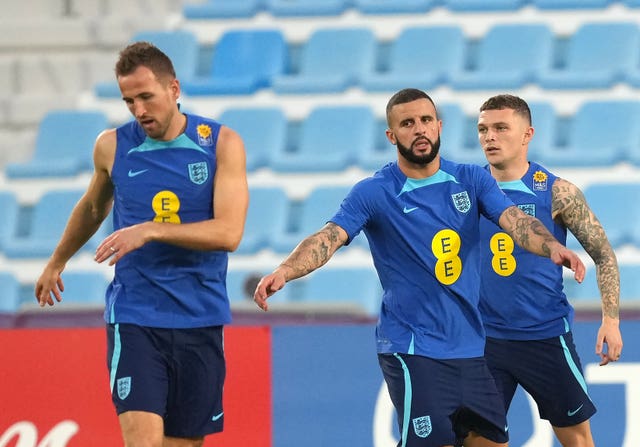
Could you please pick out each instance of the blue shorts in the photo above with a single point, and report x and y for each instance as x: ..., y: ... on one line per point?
x: 175, y: 373
x: 438, y: 402
x: 549, y: 370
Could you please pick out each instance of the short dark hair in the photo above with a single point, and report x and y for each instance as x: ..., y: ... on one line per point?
x: 500, y: 102
x: 144, y: 54
x: 407, y: 95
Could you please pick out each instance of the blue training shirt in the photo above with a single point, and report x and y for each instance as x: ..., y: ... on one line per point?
x: 163, y: 285
x: 521, y: 293
x: 424, y: 239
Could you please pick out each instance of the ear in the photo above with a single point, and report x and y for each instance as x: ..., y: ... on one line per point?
x: 528, y: 135
x: 174, y: 86
x: 391, y: 136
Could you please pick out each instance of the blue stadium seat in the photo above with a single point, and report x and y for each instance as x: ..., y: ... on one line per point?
x: 601, y: 133
x: 631, y: 3
x: 330, y: 138
x: 9, y: 222
x: 629, y: 282
x: 84, y: 287
x: 380, y: 152
x: 393, y: 6
x: 10, y: 302
x: 612, y: 204
x: 48, y: 220
x: 459, y: 135
x: 241, y: 283
x: 508, y: 56
x: 263, y: 130
x: 266, y: 217
x: 64, y: 145
x: 347, y: 286
x: 544, y: 122
x: 587, y: 290
x: 180, y: 45
x: 483, y: 6
x: 331, y: 61
x: 571, y: 4
x: 217, y: 9
x: 243, y: 62
x: 613, y: 45
x: 423, y: 66
x: 306, y: 7
x: 314, y: 212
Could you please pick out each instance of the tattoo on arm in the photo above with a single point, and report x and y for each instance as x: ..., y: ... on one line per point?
x: 570, y: 207
x: 314, y: 251
x: 527, y: 231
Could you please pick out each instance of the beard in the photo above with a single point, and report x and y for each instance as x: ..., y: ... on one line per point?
x: 408, y: 154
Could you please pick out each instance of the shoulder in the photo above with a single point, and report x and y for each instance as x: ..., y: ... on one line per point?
x: 105, y: 148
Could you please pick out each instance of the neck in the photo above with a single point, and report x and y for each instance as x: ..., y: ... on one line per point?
x: 177, y: 127
x: 418, y: 171
x: 508, y: 173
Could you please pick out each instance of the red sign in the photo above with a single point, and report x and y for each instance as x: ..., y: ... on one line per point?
x: 54, y: 389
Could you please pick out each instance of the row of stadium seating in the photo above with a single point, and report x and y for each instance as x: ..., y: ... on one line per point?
x: 601, y: 133
x: 275, y: 221
x: 333, y: 60
x: 248, y: 8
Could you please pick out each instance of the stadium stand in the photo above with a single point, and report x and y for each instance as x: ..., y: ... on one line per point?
x: 64, y: 145
x: 231, y: 69
x: 332, y: 60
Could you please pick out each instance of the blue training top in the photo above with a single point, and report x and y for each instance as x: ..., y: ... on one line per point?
x: 521, y: 293
x: 163, y: 285
x: 424, y: 239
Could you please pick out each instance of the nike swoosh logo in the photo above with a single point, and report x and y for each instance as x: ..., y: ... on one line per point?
x: 134, y: 173
x: 408, y: 210
x: 217, y: 416
x: 571, y: 413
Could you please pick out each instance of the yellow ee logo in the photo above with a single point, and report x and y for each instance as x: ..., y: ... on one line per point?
x: 445, y: 246
x: 503, y: 262
x: 166, y: 205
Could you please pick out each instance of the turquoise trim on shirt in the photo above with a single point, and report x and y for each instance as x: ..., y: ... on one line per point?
x: 115, y: 358
x: 411, y: 349
x: 408, y: 395
x: 516, y: 185
x: 572, y: 365
x: 181, y: 142
x: 439, y: 177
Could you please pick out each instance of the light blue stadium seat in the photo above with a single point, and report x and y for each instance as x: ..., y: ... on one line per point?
x: 544, y: 122
x: 483, y: 6
x: 414, y: 63
x: 10, y: 302
x: 330, y: 138
x: 217, y: 9
x: 180, y: 45
x: 64, y: 145
x: 631, y: 3
x: 585, y: 291
x: 243, y: 62
x: 84, y: 287
x: 241, y: 283
x: 314, y: 212
x: 331, y: 61
x: 601, y: 133
x: 380, y: 152
x: 306, y: 7
x: 508, y: 56
x: 571, y: 4
x: 266, y: 217
x: 9, y: 223
x: 613, y: 45
x: 48, y: 220
x: 629, y: 282
x: 613, y: 205
x: 355, y: 286
x: 393, y: 6
x: 263, y: 131
x: 459, y: 140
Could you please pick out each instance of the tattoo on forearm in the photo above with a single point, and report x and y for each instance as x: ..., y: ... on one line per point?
x: 313, y: 252
x: 526, y: 228
x: 571, y: 206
